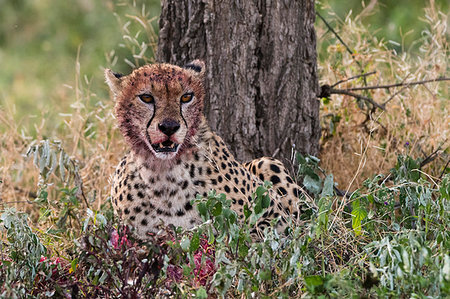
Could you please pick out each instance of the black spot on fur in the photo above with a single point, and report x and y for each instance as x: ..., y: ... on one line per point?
x: 193, y: 67
x: 185, y: 185
x: 170, y: 179
x: 192, y: 171
x: 188, y: 206
x: 137, y: 210
x: 144, y: 222
x: 275, y: 168
x: 275, y: 179
x: 226, y: 188
x: 199, y: 183
x: 288, y: 178
x: 282, y: 191
x: 140, y: 194
x: 126, y: 211
x: 180, y: 213
x: 129, y: 197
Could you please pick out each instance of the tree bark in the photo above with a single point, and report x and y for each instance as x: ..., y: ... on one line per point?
x: 261, y: 80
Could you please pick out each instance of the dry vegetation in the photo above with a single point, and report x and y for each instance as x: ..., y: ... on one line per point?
x: 416, y: 120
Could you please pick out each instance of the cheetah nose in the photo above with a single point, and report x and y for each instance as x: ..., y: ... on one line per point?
x: 168, y: 126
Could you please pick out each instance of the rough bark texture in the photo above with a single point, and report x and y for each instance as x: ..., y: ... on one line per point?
x: 261, y: 77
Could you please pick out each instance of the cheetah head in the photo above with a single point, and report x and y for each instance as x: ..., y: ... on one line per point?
x: 159, y: 107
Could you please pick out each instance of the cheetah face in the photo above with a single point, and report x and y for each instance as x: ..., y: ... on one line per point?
x: 159, y: 107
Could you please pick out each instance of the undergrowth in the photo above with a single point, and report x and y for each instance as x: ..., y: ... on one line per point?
x: 391, y: 238
x: 377, y: 222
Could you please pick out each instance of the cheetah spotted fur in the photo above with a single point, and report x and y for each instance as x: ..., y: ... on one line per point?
x: 174, y: 154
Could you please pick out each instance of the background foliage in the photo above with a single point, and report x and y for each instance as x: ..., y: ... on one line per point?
x: 388, y: 236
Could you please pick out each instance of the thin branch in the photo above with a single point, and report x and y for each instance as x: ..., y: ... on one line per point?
x: 430, y: 158
x: 358, y: 96
x: 443, y: 170
x: 395, y: 94
x: 337, y: 35
x: 353, y: 77
x: 29, y: 194
x: 399, y: 84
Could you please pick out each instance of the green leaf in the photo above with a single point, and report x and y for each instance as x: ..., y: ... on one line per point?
x: 195, y: 242
x: 103, y: 277
x: 328, y: 185
x: 358, y: 215
x: 313, y: 184
x: 247, y: 211
x: 260, y: 191
x: 265, y: 274
x: 185, y: 244
x: 265, y: 202
x: 201, y: 207
x: 217, y: 209
x: 313, y: 282
x: 243, y: 249
x: 201, y: 293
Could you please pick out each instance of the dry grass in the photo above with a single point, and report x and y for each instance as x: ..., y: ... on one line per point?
x: 416, y: 120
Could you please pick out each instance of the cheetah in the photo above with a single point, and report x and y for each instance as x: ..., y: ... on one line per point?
x: 174, y: 155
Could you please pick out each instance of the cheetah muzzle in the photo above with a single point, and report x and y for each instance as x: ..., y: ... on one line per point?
x: 174, y: 156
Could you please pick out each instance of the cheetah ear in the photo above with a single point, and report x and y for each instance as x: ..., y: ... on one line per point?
x: 114, y: 81
x: 197, y: 67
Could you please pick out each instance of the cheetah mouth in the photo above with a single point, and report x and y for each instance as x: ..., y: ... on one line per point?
x: 165, y: 147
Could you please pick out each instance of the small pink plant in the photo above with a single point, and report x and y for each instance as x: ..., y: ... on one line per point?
x: 206, y: 270
x: 115, y: 238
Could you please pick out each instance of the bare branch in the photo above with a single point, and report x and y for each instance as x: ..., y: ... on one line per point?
x: 335, y: 34
x: 358, y: 96
x: 353, y: 77
x: 399, y: 84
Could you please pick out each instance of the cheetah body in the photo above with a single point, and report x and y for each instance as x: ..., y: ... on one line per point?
x: 175, y: 156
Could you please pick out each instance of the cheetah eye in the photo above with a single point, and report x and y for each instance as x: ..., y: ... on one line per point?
x: 187, y: 97
x: 147, y: 98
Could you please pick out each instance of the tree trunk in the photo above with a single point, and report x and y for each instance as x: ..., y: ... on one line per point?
x: 261, y: 80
